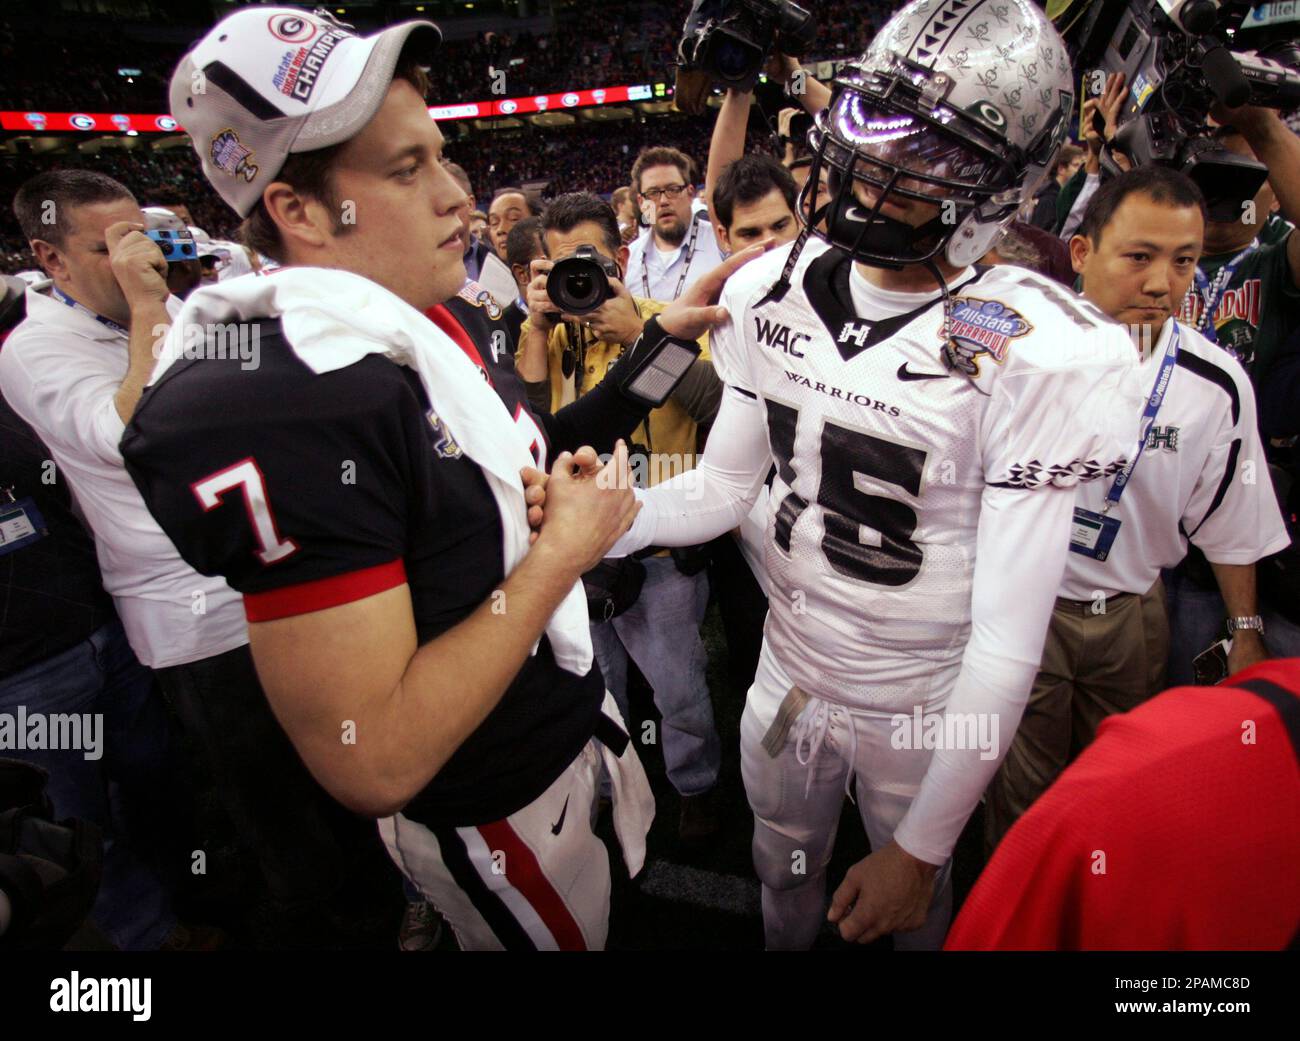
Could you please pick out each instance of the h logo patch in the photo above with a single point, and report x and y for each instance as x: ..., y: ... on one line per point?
x: 1163, y: 437
x: 855, y: 331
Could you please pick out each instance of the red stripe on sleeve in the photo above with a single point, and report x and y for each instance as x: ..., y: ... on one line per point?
x: 525, y: 874
x: 307, y: 597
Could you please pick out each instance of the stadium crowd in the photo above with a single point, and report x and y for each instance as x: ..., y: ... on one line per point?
x: 483, y: 685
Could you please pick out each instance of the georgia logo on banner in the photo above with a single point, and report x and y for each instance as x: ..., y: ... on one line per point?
x: 166, y: 123
x: 509, y: 105
x: 291, y: 28
x: 82, y: 121
x: 569, y: 100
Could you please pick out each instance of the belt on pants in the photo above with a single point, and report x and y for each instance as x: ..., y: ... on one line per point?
x: 1087, y: 607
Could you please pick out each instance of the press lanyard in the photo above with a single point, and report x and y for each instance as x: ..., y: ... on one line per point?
x: 60, y: 295
x: 1211, y: 291
x: 690, y: 252
x: 1148, y: 418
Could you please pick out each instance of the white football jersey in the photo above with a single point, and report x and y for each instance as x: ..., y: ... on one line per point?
x: 883, y: 451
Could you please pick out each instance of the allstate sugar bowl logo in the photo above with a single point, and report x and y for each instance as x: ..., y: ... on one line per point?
x: 35, y: 120
x: 981, y: 327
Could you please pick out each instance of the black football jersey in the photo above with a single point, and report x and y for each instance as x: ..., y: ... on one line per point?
x: 307, y: 490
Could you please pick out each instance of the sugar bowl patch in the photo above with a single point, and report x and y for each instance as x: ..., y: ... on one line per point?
x: 228, y: 154
x: 981, y: 327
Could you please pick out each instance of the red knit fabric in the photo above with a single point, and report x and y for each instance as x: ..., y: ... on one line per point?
x: 1170, y: 832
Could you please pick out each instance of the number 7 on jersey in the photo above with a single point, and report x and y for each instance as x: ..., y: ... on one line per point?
x: 245, y: 475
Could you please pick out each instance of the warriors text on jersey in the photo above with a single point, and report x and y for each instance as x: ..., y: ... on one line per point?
x: 883, y: 451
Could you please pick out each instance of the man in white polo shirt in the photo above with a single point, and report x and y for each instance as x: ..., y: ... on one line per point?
x: 74, y: 369
x: 1200, y: 476
x: 680, y: 245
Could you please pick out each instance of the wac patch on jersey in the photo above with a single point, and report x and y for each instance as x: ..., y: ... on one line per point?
x: 779, y: 336
x: 981, y: 327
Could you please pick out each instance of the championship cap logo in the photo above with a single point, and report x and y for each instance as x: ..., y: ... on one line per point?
x: 229, y: 155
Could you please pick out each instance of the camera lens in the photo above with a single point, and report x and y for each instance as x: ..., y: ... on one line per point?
x: 577, y: 285
x: 734, y: 59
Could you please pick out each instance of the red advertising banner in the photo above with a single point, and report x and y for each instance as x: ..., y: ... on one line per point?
x: 122, y: 123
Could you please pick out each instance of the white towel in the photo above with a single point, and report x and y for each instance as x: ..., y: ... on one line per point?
x: 333, y: 319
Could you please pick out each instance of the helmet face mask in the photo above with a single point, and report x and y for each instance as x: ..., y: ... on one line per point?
x: 906, y: 158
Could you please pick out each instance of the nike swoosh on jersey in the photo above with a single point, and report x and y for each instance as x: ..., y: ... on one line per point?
x: 559, y: 824
x: 904, y: 373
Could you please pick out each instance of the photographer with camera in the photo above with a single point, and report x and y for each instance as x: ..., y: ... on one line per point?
x: 659, y: 628
x: 75, y: 370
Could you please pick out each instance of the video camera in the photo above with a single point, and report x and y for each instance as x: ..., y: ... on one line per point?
x: 1177, y: 63
x: 727, y: 42
x: 579, y: 283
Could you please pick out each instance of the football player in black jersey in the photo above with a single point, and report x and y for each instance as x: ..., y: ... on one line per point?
x: 425, y: 666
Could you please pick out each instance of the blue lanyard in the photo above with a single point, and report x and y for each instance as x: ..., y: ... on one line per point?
x: 62, y: 296
x: 1216, y: 289
x: 1154, y: 401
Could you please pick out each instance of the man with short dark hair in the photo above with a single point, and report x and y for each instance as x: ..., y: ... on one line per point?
x: 509, y: 207
x: 680, y: 245
x: 754, y: 200
x: 660, y: 631
x: 1199, y: 476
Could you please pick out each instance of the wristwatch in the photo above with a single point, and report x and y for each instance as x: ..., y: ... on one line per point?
x: 1253, y: 621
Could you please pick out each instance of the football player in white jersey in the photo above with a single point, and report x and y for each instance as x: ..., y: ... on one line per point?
x: 925, y: 441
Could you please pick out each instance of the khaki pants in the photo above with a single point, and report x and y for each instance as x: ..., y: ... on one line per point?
x: 1095, y: 664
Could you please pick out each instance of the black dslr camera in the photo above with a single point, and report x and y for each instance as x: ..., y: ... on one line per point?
x: 1177, y: 62
x: 729, y: 40
x: 579, y: 283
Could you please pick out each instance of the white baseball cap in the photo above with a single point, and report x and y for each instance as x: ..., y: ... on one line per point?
x: 268, y: 82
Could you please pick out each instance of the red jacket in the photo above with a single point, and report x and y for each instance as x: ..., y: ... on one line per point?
x: 1178, y: 828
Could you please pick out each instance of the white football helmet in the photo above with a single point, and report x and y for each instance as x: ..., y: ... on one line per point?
x: 958, y: 103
